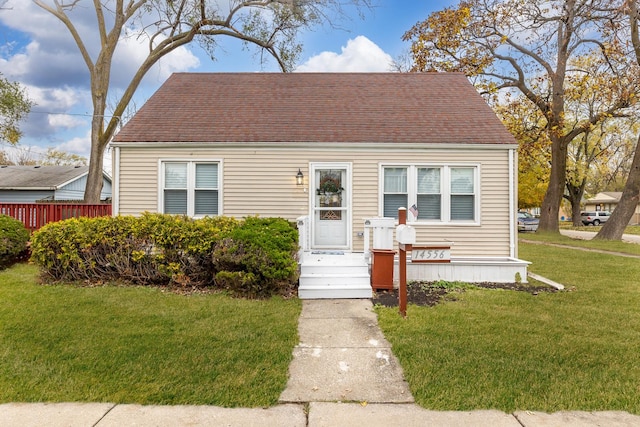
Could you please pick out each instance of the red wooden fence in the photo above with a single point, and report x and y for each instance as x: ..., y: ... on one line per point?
x: 35, y: 215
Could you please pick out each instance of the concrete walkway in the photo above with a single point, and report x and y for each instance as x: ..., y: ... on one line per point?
x: 343, y: 356
x: 343, y: 373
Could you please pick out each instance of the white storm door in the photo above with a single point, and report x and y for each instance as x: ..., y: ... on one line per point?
x: 331, y: 205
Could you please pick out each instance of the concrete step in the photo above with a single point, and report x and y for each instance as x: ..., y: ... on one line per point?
x: 334, y: 291
x: 330, y: 279
x: 333, y: 275
x: 345, y: 270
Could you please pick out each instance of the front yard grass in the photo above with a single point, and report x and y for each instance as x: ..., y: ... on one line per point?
x: 140, y: 345
x: 509, y: 350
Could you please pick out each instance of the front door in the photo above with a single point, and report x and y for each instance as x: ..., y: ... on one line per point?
x: 330, y: 205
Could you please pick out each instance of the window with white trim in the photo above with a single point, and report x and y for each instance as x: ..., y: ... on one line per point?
x: 190, y: 188
x: 440, y: 193
x: 462, y: 194
x: 395, y: 190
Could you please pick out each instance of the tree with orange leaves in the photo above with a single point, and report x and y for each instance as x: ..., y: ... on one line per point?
x: 529, y: 48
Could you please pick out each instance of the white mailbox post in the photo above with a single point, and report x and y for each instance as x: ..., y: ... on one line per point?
x: 405, y: 234
x: 406, y: 237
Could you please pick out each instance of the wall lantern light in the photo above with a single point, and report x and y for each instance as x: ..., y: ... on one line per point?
x: 299, y: 177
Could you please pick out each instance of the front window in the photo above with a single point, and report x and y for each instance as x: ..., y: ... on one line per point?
x: 429, y: 195
x: 434, y: 193
x: 462, y: 194
x: 395, y: 190
x: 190, y: 188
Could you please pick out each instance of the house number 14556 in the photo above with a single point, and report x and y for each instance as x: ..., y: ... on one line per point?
x: 430, y: 254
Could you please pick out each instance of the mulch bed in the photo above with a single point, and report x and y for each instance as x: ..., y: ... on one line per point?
x: 430, y: 294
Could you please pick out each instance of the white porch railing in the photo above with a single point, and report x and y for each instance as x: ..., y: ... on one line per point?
x: 303, y: 234
x: 383, y: 230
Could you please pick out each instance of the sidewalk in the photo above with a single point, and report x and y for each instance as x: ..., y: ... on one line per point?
x: 588, y: 235
x: 343, y: 373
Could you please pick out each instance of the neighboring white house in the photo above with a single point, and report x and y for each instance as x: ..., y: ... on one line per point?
x: 607, y: 201
x: 30, y: 184
x: 360, y: 144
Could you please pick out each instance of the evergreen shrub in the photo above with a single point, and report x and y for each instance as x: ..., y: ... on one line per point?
x: 157, y: 249
x: 258, y: 258
x: 14, y: 239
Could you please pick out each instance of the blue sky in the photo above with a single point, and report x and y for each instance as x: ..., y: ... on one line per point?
x: 37, y: 51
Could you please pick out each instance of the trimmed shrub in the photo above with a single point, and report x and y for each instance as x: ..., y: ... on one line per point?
x: 151, y: 249
x: 254, y: 257
x: 264, y: 250
x: 14, y: 238
x: 238, y: 283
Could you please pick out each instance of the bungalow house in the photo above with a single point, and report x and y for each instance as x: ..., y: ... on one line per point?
x: 607, y: 201
x: 30, y: 184
x: 339, y: 154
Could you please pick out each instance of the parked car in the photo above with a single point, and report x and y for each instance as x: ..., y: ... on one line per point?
x: 594, y: 217
x: 527, y: 222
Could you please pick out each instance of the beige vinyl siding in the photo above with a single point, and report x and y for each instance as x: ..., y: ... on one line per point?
x: 261, y: 181
x: 139, y: 174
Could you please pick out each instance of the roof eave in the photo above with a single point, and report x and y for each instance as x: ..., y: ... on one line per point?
x: 29, y: 188
x: 315, y: 145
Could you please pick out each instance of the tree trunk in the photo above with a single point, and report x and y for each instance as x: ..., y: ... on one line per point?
x: 552, y: 198
x: 575, y: 197
x: 614, y: 228
x: 94, y: 179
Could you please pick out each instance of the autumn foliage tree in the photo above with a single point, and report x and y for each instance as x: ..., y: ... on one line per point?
x: 615, y: 226
x: 14, y: 107
x: 531, y: 48
x: 271, y: 26
x: 596, y: 159
x: 527, y: 125
x: 589, y: 87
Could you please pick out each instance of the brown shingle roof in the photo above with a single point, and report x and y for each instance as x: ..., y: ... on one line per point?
x: 316, y: 107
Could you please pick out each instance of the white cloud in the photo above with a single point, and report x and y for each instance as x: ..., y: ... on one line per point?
x: 360, y: 55
x: 47, y: 99
x: 65, y: 121
x: 50, y: 113
x: 79, y: 145
x: 133, y: 49
x: 51, y: 58
x: 39, y: 52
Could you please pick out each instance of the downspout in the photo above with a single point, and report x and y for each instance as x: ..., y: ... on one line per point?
x: 115, y: 197
x: 513, y: 253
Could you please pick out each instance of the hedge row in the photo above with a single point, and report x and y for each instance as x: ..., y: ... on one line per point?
x: 13, y: 240
x: 255, y: 257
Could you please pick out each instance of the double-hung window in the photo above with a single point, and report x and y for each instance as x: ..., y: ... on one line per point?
x: 190, y: 188
x: 462, y: 194
x: 395, y: 190
x: 429, y: 193
x: 440, y: 193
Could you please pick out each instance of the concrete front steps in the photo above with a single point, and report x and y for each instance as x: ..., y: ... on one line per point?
x: 333, y: 274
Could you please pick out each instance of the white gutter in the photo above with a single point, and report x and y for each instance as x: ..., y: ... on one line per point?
x: 115, y: 184
x: 513, y: 225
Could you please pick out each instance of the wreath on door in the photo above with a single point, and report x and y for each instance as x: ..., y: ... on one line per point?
x: 329, y: 185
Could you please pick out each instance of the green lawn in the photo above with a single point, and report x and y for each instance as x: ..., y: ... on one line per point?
x: 507, y: 350
x: 140, y: 345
